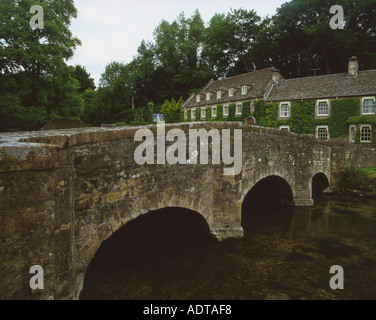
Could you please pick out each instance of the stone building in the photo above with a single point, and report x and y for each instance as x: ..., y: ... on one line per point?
x: 269, y: 85
x: 235, y: 90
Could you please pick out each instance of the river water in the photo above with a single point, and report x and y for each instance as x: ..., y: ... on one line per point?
x: 286, y: 254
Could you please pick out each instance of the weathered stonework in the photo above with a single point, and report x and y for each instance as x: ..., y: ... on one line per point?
x: 62, y: 193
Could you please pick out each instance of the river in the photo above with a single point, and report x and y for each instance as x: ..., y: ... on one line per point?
x: 286, y: 254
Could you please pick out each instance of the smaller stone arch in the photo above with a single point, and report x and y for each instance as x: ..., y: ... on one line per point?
x: 319, y: 183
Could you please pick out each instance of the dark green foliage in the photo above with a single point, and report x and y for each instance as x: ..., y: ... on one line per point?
x: 302, y: 117
x: 36, y: 85
x: 246, y: 109
x: 219, y: 116
x: 231, y: 114
x: 266, y: 114
x: 208, y: 114
x: 198, y: 114
x: 352, y: 177
x: 341, y: 110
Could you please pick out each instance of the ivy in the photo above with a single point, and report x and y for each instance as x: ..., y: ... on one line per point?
x: 303, y: 117
x: 342, y: 110
x: 231, y: 116
x: 198, y: 114
x: 208, y: 115
x: 219, y: 116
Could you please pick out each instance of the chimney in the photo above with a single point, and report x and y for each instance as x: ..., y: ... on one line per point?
x: 353, y: 66
x: 275, y: 75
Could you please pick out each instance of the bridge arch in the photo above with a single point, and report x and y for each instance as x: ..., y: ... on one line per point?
x: 250, y: 181
x: 144, y: 236
x: 319, y: 182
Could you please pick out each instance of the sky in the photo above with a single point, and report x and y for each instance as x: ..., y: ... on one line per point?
x: 112, y: 30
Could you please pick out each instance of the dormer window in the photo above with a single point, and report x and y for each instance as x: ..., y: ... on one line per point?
x: 208, y: 96
x: 198, y: 98
x: 231, y: 92
x: 219, y: 95
x: 244, y: 90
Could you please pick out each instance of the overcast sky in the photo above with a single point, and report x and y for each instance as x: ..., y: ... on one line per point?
x: 112, y: 30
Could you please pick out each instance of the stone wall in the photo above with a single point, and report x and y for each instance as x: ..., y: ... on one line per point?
x: 62, y: 193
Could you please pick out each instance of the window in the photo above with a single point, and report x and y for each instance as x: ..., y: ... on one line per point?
x: 214, y: 112
x: 203, y: 113
x: 226, y: 111
x: 368, y: 105
x: 198, y: 98
x: 323, y: 108
x: 219, y: 95
x: 352, y: 134
x: 208, y: 96
x: 284, y: 110
x: 193, y: 114
x: 239, y: 109
x: 231, y: 92
x: 244, y: 90
x: 284, y: 128
x: 366, y: 133
x: 322, y: 133
x: 185, y: 114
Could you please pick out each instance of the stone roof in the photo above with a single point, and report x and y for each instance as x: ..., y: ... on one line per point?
x: 257, y: 82
x: 326, y: 86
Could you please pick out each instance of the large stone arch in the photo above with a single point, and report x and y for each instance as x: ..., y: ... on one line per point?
x: 115, y: 225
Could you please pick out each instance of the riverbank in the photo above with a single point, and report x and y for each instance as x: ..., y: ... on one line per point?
x: 357, y: 181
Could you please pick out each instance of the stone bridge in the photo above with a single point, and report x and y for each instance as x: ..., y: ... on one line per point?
x: 62, y: 193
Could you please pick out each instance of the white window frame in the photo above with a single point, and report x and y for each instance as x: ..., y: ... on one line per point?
x: 284, y: 127
x: 228, y: 111
x: 219, y: 95
x: 368, y: 98
x: 193, y: 114
x: 361, y: 135
x: 318, y: 108
x: 317, y: 132
x: 244, y: 90
x: 198, y: 98
x: 231, y: 92
x: 214, y: 112
x: 239, y: 105
x: 208, y: 96
x: 203, y: 113
x: 351, y: 139
x: 289, y: 110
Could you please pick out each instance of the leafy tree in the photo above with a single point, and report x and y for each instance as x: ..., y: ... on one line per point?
x: 299, y: 38
x: 33, y: 71
x: 172, y: 110
x: 83, y: 77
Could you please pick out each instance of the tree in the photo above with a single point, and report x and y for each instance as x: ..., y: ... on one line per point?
x: 228, y: 40
x: 303, y: 39
x: 33, y: 71
x: 172, y: 109
x: 83, y: 77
